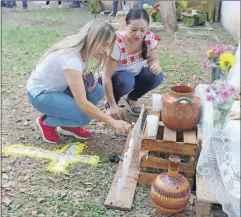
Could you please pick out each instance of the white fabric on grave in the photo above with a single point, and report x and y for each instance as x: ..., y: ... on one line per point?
x: 219, y: 161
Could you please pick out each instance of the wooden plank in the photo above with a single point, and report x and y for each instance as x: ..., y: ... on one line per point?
x: 169, y: 135
x: 203, y: 209
x: 160, y: 163
x: 169, y: 147
x: 128, y: 192
x: 203, y: 193
x: 190, y: 137
x: 149, y: 178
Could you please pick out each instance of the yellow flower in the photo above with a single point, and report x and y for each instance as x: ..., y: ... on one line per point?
x: 210, y: 53
x: 226, y: 61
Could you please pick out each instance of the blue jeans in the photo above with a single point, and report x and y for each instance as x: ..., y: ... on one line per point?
x: 13, y: 4
x: 114, y: 7
x: 61, y: 108
x: 125, y: 82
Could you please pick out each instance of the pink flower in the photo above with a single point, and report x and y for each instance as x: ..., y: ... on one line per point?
x: 156, y: 7
x: 225, y: 96
x: 219, y: 49
x: 221, y: 88
x: 206, y: 65
x: 209, y: 97
x: 220, y: 92
x: 233, y: 91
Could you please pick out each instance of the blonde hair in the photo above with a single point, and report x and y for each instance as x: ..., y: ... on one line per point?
x: 88, y: 39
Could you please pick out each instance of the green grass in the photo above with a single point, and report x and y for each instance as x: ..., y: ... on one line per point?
x: 52, y: 16
x: 23, y: 46
x: 181, y: 68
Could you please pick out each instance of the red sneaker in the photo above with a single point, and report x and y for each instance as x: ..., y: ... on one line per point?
x: 77, y: 132
x: 49, y: 133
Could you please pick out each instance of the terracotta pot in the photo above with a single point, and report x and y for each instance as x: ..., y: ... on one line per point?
x: 170, y: 192
x: 181, y: 110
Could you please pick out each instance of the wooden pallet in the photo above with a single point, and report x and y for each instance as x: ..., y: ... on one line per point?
x: 170, y: 142
x: 206, y: 202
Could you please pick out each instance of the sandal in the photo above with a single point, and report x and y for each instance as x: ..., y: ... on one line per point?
x: 135, y: 110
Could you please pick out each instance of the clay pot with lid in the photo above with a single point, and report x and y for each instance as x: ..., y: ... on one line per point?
x: 181, y: 109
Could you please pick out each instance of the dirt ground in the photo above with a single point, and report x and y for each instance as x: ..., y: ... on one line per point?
x: 25, y: 184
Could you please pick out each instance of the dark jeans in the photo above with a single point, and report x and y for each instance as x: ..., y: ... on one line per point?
x: 125, y: 82
x: 47, y: 2
x: 115, y: 7
x: 13, y: 4
x: 77, y: 3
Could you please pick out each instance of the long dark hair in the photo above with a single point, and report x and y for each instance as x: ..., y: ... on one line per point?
x: 139, y: 13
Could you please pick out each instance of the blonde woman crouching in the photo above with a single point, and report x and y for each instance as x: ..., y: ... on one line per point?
x: 58, y: 89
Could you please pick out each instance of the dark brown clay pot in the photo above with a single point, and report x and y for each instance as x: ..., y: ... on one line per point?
x: 181, y: 110
x: 170, y: 192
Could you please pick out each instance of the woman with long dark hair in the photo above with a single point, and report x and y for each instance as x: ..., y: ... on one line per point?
x: 125, y: 71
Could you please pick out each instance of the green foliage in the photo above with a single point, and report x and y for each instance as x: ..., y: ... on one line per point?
x: 94, y: 6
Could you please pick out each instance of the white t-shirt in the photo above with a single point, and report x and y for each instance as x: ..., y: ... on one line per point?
x: 134, y: 62
x: 49, y: 75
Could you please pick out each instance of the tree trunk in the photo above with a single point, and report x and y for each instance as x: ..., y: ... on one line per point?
x: 168, y: 14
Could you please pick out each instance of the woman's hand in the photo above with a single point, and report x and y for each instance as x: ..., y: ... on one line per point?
x: 155, y: 68
x: 115, y: 112
x: 121, y: 126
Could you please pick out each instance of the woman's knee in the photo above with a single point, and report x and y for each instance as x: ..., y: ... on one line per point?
x: 159, y: 79
x: 123, y: 82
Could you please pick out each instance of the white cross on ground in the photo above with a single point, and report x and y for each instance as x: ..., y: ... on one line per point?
x: 60, y: 159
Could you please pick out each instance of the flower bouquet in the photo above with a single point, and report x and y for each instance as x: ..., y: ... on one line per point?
x: 219, y: 60
x: 222, y: 96
x: 152, y: 10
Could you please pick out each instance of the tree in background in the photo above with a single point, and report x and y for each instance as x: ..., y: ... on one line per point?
x: 168, y: 14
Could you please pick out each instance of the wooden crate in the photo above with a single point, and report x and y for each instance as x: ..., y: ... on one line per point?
x: 170, y: 142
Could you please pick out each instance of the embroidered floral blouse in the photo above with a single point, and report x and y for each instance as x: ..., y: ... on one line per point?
x: 133, y: 62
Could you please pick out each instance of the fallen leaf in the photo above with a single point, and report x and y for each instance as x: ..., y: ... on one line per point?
x: 25, y: 178
x: 76, y: 202
x: 5, y: 176
x: 40, y: 200
x: 53, y: 180
x: 26, y: 123
x: 6, y: 201
x: 26, y: 207
x: 4, y: 133
x: 88, y: 189
x: 153, y: 213
x: 21, y: 137
x: 34, y: 212
x: 22, y: 190
x: 52, y: 208
x: 63, y: 194
x: 7, y: 184
x: 88, y: 183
